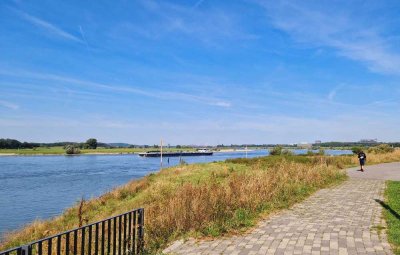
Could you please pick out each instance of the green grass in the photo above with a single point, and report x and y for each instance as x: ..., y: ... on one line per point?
x: 39, y: 150
x: 392, y: 214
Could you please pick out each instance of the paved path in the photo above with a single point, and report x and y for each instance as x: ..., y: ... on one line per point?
x: 387, y: 171
x: 338, y: 220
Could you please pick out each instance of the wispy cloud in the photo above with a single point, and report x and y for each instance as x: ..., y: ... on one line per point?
x: 47, y: 26
x: 83, y: 36
x: 9, y: 105
x: 333, y: 92
x: 348, y: 32
x: 198, y: 3
x: 158, y: 94
x: 211, y: 26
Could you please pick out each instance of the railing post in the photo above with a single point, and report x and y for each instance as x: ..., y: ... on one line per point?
x: 140, y: 231
x: 25, y: 250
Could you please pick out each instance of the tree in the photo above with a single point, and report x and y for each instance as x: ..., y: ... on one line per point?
x: 92, y: 143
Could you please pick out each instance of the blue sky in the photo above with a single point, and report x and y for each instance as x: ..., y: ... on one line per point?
x: 204, y: 72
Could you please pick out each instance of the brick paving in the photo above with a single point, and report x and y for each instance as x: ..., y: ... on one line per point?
x: 338, y: 220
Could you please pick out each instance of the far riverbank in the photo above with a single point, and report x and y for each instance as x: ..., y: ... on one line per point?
x: 59, y: 151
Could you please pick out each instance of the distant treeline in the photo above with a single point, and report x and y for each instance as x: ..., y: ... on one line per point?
x: 254, y: 145
x: 353, y: 144
x: 15, y: 144
x: 92, y: 144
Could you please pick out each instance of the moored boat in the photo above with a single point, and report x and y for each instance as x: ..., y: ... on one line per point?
x: 175, y: 154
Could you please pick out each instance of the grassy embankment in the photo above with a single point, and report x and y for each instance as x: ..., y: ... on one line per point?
x: 207, y: 199
x: 59, y: 150
x: 392, y: 214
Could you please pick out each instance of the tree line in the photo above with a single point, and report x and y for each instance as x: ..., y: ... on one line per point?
x: 15, y: 144
x: 353, y: 144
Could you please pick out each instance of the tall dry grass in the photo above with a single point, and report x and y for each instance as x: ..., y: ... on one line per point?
x: 216, y: 207
x: 205, y: 199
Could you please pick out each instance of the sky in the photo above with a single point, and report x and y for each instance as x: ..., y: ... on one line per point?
x: 199, y: 71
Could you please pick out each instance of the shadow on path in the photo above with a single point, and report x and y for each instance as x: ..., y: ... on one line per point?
x: 388, y: 208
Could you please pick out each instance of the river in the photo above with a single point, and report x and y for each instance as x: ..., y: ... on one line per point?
x: 40, y: 187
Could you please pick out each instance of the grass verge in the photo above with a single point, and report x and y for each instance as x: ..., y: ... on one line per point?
x: 392, y: 214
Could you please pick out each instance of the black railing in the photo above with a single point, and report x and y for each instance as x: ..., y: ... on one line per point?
x: 121, y: 234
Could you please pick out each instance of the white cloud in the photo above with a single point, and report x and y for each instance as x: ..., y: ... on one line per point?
x: 332, y: 94
x: 352, y: 36
x: 83, y: 36
x: 198, y: 3
x: 50, y: 28
x: 158, y: 94
x: 211, y: 26
x: 223, y: 104
x: 9, y: 105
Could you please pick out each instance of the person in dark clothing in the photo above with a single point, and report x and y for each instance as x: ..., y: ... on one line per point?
x: 362, y: 157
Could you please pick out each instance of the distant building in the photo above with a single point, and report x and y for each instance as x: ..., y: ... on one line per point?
x: 318, y: 142
x: 304, y: 145
x: 368, y: 141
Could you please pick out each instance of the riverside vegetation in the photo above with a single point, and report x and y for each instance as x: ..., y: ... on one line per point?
x: 204, y: 200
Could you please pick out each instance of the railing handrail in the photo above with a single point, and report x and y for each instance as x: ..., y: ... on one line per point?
x: 139, y: 224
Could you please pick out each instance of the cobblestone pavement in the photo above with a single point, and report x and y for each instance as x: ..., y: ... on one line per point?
x: 341, y: 220
x: 386, y: 171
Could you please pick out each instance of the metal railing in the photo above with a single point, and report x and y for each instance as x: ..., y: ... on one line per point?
x: 121, y: 234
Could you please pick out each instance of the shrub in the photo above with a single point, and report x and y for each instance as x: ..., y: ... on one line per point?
x: 320, y: 152
x: 310, y: 153
x: 356, y: 149
x: 182, y: 162
x: 382, y: 148
x: 277, y: 150
x: 71, y: 149
x: 287, y: 152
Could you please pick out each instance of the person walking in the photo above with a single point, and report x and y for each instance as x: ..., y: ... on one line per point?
x: 362, y: 157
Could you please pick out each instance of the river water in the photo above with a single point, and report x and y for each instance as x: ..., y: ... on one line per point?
x: 40, y: 187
